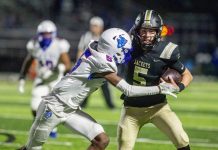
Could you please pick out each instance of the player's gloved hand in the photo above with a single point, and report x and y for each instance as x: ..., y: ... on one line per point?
x: 21, y: 85
x: 168, y: 89
x: 44, y: 72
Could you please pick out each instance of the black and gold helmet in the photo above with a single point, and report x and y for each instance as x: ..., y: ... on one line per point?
x: 147, y: 19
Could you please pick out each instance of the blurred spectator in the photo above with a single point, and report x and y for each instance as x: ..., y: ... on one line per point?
x: 205, y: 57
x: 12, y: 20
x: 215, y: 60
x: 55, y: 9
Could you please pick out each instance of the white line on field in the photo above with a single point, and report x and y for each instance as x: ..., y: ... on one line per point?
x: 20, y: 117
x: 49, y: 143
x: 26, y: 133
x: 10, y: 144
x: 59, y: 143
x: 194, y: 142
x: 151, y: 141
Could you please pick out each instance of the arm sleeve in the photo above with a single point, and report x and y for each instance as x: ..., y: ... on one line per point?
x: 132, y: 91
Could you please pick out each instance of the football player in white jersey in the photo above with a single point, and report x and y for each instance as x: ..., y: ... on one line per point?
x: 96, y: 27
x: 96, y: 65
x: 48, y: 51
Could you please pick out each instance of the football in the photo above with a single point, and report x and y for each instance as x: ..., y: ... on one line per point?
x: 176, y: 76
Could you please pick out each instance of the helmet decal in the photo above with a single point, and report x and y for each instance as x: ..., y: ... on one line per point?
x: 147, y: 18
x: 121, y: 41
x: 108, y: 58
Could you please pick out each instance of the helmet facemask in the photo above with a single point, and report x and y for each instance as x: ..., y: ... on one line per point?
x: 148, y: 37
x: 123, y: 57
x: 45, y: 39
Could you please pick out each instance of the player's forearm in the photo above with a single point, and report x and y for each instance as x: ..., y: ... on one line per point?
x: 132, y: 91
x: 65, y: 59
x: 186, y: 78
x: 79, y: 53
x: 25, y: 67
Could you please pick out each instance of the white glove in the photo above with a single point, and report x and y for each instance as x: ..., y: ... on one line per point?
x: 44, y: 73
x: 168, y: 89
x: 21, y: 86
x: 61, y: 68
x: 47, y: 74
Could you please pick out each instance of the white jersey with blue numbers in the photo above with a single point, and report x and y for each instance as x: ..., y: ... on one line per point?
x: 47, y: 59
x: 82, y: 80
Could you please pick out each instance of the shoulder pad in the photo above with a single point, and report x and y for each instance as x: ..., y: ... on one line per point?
x: 168, y: 50
x: 103, y: 62
x: 64, y: 45
x: 31, y: 44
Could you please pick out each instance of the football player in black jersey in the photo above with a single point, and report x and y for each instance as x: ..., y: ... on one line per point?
x: 151, y: 57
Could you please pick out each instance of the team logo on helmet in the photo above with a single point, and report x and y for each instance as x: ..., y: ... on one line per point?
x: 121, y: 41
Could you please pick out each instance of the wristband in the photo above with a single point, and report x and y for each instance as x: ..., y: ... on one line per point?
x: 181, y: 86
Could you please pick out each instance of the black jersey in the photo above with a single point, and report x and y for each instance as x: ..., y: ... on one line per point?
x: 146, y: 68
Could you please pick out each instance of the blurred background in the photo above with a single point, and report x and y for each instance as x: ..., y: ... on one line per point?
x: 194, y: 23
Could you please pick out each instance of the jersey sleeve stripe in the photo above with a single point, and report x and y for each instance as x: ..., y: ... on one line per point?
x: 168, y: 50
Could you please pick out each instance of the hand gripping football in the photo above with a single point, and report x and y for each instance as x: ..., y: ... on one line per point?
x: 176, y: 76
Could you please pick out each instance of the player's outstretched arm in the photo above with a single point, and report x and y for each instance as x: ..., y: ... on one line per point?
x: 25, y: 66
x: 132, y: 91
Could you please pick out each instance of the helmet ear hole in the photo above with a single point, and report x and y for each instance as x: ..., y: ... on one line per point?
x: 118, y: 54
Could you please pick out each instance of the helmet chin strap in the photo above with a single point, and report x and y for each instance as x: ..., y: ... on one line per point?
x: 147, y: 47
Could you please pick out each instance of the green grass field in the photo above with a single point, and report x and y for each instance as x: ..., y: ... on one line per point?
x: 197, y: 107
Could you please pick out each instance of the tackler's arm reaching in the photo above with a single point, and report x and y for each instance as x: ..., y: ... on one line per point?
x: 131, y: 90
